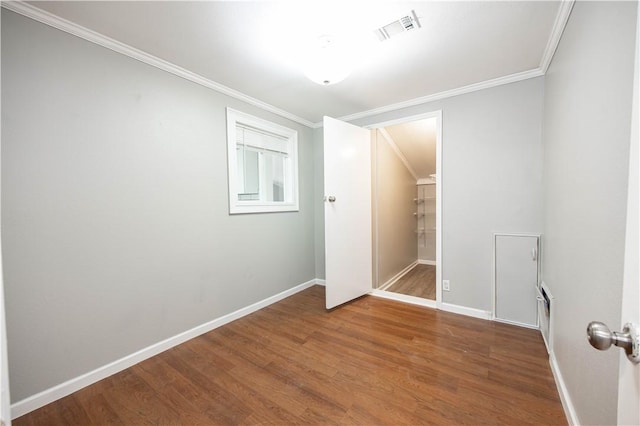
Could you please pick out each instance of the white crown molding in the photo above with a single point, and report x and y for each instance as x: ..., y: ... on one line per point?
x: 552, y: 44
x: 54, y: 21
x: 399, y: 154
x: 556, y: 33
x: 512, y: 78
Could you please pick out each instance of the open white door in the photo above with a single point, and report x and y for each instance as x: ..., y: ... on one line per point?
x: 347, y: 211
x: 629, y: 374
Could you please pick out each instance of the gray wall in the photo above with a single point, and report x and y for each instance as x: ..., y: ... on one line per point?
x: 396, y: 224
x: 492, y: 167
x: 115, y: 225
x: 586, y: 139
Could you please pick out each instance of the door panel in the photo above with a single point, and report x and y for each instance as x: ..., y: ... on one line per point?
x: 516, y: 258
x: 347, y: 181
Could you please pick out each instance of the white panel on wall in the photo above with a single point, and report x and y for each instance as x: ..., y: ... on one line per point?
x: 516, y: 278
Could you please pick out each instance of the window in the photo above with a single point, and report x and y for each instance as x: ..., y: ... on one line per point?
x: 263, y: 165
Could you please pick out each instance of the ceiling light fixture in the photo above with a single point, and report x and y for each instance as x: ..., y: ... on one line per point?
x: 328, y: 63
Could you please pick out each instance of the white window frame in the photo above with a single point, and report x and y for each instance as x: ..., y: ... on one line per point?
x: 236, y: 206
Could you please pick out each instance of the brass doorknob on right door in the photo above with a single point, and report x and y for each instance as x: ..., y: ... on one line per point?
x: 628, y: 339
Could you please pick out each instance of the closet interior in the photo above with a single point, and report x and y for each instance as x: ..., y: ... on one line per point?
x: 406, y: 194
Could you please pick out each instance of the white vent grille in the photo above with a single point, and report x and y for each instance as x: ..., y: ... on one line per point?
x: 404, y: 24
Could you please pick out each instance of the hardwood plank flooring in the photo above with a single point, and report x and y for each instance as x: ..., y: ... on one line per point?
x: 419, y: 282
x: 372, y: 361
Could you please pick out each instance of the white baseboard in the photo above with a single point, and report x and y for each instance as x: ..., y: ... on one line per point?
x: 321, y: 282
x: 427, y: 262
x: 567, y: 405
x: 397, y: 276
x: 463, y: 310
x: 516, y: 323
x: 456, y: 309
x: 52, y: 394
x: 404, y: 298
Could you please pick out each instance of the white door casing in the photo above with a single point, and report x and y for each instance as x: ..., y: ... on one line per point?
x: 437, y: 114
x: 5, y: 405
x: 348, y: 238
x: 629, y: 374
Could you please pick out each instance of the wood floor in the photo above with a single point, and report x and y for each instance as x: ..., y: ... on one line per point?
x: 419, y: 282
x: 371, y: 362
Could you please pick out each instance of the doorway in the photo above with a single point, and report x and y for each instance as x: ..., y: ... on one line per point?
x: 351, y: 211
x: 407, y: 209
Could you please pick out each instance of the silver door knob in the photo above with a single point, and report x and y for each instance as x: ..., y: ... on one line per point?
x: 602, y: 338
x: 330, y: 199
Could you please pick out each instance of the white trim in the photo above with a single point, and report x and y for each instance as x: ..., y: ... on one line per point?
x: 321, y: 282
x: 512, y: 78
x: 463, y: 310
x: 516, y: 323
x: 438, y: 115
x: 427, y: 262
x: 405, y: 298
x: 399, y: 154
x: 52, y: 394
x: 447, y: 307
x: 401, y: 120
x: 54, y: 21
x: 291, y: 194
x: 556, y: 34
x: 397, y: 276
x: 567, y: 405
x: 439, y: 178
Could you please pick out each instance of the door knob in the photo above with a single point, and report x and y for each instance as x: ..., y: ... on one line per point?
x: 602, y: 338
x: 330, y: 198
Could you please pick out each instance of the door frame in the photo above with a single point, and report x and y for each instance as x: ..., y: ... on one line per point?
x: 439, y: 182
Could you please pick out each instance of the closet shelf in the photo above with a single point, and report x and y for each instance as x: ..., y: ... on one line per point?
x: 424, y: 230
x: 422, y: 200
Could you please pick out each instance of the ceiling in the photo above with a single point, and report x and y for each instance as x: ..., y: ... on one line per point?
x: 257, y: 48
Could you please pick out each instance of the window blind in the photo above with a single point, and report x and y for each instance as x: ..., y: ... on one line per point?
x: 249, y: 137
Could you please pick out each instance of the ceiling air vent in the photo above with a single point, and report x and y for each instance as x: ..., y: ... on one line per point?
x: 406, y: 23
